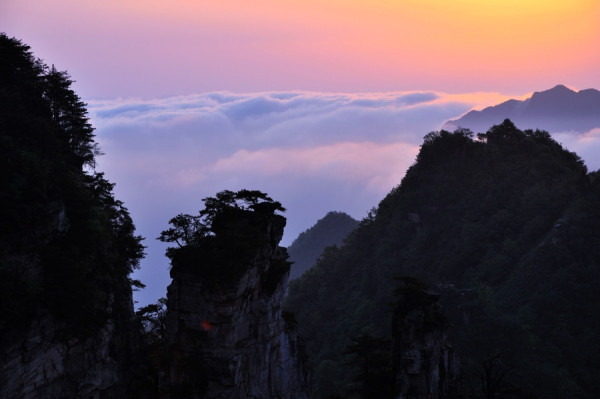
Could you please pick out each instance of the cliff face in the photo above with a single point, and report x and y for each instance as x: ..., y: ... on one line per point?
x: 67, y: 246
x: 46, y: 362
x: 424, y: 365
x: 226, y: 328
x: 45, y: 356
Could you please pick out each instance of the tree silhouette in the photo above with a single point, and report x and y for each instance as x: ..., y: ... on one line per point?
x: 189, y: 230
x: 54, y: 207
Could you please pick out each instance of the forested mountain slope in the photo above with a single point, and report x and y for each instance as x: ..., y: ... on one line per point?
x: 507, y: 226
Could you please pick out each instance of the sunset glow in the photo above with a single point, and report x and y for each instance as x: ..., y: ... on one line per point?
x: 188, y: 46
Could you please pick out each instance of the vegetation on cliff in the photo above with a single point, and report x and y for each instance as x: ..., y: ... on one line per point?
x: 506, y: 226
x: 226, y: 335
x: 67, y: 246
x: 219, y: 241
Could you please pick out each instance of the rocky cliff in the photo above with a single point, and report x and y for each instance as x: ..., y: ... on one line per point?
x: 67, y: 246
x: 226, y: 330
x: 48, y: 355
x: 46, y: 361
x: 425, y: 366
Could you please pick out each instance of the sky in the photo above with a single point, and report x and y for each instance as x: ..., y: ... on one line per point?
x: 321, y: 104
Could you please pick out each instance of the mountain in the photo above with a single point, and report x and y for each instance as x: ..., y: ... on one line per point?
x: 506, y: 229
x: 67, y: 246
x: 559, y: 109
x: 224, y: 321
x: 306, y: 248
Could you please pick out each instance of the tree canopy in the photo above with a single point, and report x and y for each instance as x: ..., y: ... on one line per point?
x: 228, y: 229
x: 189, y: 230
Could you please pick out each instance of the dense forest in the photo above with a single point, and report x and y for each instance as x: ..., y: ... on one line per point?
x: 506, y: 227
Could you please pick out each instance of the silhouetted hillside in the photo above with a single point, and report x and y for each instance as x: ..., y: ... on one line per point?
x: 306, y: 248
x: 556, y: 110
x: 507, y: 227
x: 67, y: 246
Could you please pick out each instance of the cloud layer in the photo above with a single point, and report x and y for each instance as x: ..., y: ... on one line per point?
x: 314, y: 152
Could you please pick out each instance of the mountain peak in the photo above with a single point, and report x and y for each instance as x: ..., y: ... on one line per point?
x: 560, y: 88
x: 558, y: 109
x: 328, y: 231
x: 557, y: 93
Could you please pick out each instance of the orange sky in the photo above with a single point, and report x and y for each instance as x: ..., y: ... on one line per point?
x: 157, y: 47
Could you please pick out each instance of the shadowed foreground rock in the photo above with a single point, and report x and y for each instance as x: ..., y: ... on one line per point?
x: 226, y: 331
x: 45, y: 356
x: 425, y: 366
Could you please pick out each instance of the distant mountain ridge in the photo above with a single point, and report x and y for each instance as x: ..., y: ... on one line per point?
x: 328, y: 231
x: 559, y: 109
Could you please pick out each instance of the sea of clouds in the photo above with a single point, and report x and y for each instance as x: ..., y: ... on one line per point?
x: 314, y: 152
